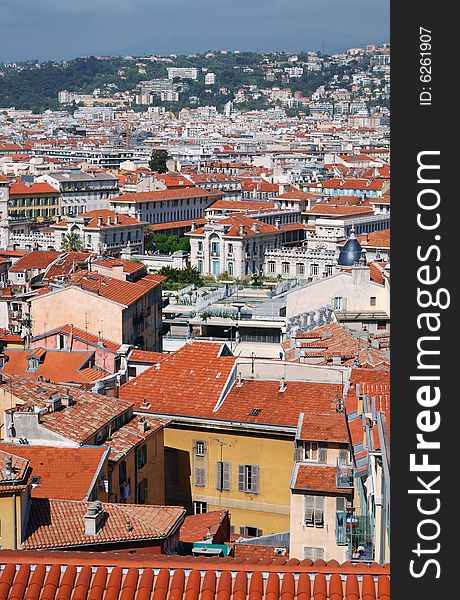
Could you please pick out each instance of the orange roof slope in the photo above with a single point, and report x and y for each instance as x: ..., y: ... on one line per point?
x: 60, y: 523
x: 55, y: 365
x: 65, y: 473
x: 190, y: 379
x: 196, y: 527
x: 35, y: 260
x: 79, y: 422
x: 121, y: 292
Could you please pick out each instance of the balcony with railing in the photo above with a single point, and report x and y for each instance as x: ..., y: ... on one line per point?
x: 356, y: 531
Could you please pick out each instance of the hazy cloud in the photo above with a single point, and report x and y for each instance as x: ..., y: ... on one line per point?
x: 65, y: 29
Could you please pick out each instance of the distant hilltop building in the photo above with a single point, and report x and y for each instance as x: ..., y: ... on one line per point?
x: 182, y: 73
x: 210, y: 79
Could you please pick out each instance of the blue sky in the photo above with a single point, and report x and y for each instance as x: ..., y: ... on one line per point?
x: 59, y: 29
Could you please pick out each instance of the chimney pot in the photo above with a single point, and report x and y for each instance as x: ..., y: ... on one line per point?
x: 93, y: 518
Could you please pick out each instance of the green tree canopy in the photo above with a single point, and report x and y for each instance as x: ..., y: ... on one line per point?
x: 164, y: 244
x: 158, y: 161
x: 72, y: 242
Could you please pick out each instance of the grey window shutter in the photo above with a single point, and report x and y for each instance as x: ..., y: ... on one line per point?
x: 241, y: 486
x: 298, y: 452
x: 319, y: 511
x: 255, y: 479
x: 322, y: 453
x: 343, y: 456
x: 200, y: 477
x: 226, y: 476
x: 344, y: 304
x: 340, y: 504
x: 309, y: 509
x: 219, y: 475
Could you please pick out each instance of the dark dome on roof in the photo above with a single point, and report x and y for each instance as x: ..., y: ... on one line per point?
x: 351, y: 253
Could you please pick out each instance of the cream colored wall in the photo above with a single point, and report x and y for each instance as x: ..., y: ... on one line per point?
x: 356, y: 288
x: 86, y: 311
x: 316, y: 537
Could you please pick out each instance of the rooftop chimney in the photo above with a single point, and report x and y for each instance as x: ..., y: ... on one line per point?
x: 100, y: 221
x: 282, y: 387
x: 67, y: 399
x: 93, y: 518
x: 193, y: 226
x: 142, y: 425
x: 109, y: 220
x: 241, y: 229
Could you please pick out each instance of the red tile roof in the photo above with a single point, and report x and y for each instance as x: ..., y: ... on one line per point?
x: 116, y: 290
x: 239, y: 225
x: 130, y: 435
x: 93, y: 219
x: 377, y: 239
x: 19, y: 472
x: 80, y: 334
x: 35, y: 260
x: 190, y: 382
x: 283, y: 408
x: 146, y: 357
x: 56, y: 366
x: 341, y: 209
x: 65, y: 473
x: 79, y: 422
x: 190, y: 379
x: 36, y: 189
x: 143, y: 576
x: 129, y: 266
x: 316, y: 478
x: 60, y: 523
x: 353, y: 184
x: 195, y: 528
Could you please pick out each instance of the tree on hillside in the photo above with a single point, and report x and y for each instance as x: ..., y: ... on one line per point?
x: 72, y: 242
x: 158, y: 161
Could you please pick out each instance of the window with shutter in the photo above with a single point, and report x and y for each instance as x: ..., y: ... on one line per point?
x: 309, y: 510
x: 254, y: 488
x: 248, y: 478
x: 313, y: 553
x: 223, y: 476
x: 322, y: 453
x: 343, y: 456
x: 319, y: 511
x: 200, y: 477
x: 241, y: 478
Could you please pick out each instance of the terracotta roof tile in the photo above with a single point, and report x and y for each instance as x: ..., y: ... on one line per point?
x: 65, y: 473
x: 196, y: 527
x: 317, y: 478
x: 79, y: 422
x: 56, y: 366
x: 60, y: 523
x: 145, y: 576
x: 121, y: 292
x: 35, y: 260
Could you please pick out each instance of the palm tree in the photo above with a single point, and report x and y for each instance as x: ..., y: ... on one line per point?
x: 72, y: 242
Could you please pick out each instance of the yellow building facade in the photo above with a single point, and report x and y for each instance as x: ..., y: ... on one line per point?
x: 246, y: 473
